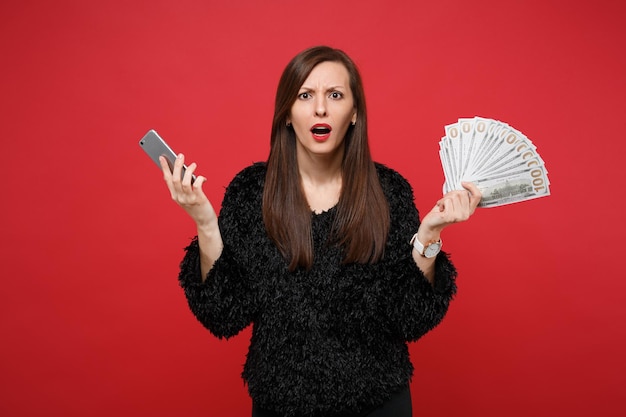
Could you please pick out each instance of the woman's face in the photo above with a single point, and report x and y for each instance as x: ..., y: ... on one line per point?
x: 323, y: 111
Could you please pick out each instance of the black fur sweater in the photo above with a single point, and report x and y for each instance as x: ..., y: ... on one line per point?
x: 328, y: 341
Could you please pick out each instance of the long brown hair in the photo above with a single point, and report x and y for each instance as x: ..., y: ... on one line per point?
x: 362, y: 219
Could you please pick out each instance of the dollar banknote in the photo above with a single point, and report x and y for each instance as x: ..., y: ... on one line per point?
x: 502, y: 162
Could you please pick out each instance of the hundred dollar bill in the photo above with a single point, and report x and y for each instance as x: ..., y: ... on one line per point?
x: 498, y: 158
x: 466, y: 128
x: 527, y: 184
x: 446, y: 163
x: 481, y: 131
x: 514, y: 148
x: 453, y: 145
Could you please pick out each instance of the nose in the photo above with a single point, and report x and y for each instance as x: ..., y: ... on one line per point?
x: 320, y: 107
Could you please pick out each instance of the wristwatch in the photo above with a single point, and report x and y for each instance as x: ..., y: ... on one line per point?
x: 430, y: 250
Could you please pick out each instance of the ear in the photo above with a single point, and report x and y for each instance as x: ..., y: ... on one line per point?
x: 354, y: 118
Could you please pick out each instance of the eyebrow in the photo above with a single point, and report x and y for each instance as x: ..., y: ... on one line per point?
x: 333, y: 87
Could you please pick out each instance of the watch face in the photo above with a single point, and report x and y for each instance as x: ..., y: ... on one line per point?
x: 432, y: 250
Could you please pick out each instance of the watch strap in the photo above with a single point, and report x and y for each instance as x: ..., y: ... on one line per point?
x: 420, y: 247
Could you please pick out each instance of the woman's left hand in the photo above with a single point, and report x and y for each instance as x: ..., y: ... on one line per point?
x: 454, y: 207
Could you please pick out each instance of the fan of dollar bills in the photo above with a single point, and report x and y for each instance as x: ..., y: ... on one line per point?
x: 500, y: 160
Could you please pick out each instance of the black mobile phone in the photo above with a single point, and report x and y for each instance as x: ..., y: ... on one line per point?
x: 155, y: 146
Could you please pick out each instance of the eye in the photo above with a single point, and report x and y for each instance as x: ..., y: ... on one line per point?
x: 336, y: 95
x: 304, y: 96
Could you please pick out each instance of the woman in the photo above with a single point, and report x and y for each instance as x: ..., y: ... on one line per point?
x: 322, y: 250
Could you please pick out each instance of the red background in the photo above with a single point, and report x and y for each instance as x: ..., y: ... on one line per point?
x: 91, y: 316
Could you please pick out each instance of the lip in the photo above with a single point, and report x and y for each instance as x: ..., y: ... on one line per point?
x: 321, y: 137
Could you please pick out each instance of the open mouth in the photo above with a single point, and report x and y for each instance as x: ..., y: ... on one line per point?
x: 321, y: 131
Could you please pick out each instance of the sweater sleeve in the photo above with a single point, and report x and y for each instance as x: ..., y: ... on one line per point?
x: 225, y: 302
x: 413, y: 305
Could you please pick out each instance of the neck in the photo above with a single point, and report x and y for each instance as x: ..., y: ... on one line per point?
x: 321, y: 180
x: 320, y: 169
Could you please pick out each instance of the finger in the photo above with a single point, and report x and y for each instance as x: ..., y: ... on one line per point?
x: 177, y: 170
x: 187, y: 178
x: 447, y: 205
x: 197, y: 184
x: 472, y: 188
x: 466, y: 205
x: 167, y: 173
x: 167, y: 176
x: 458, y: 206
x: 475, y: 194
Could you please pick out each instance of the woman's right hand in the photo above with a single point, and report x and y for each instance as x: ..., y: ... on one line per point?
x: 187, y: 195
x: 193, y: 200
